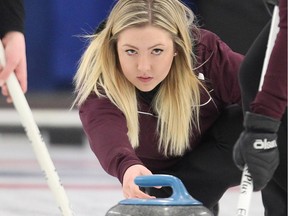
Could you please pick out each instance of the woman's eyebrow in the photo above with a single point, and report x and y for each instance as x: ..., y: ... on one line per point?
x: 129, y: 45
x: 134, y: 47
x: 156, y: 45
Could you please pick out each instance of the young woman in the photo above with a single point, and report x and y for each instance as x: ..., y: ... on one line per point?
x: 153, y: 92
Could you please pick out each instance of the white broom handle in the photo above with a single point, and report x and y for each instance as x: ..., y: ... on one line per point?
x: 246, y: 189
x: 274, y: 29
x: 246, y: 186
x: 33, y: 133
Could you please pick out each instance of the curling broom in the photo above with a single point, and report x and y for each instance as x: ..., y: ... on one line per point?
x: 33, y: 133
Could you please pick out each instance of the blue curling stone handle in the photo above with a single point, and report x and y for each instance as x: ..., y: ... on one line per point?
x: 179, y: 197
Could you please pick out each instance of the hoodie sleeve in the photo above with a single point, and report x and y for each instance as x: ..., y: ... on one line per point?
x: 272, y: 100
x: 105, y: 127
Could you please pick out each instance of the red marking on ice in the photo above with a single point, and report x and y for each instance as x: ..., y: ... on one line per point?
x: 60, y: 161
x: 66, y: 186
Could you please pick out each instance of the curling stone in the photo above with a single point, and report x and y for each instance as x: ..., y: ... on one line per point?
x: 180, y: 203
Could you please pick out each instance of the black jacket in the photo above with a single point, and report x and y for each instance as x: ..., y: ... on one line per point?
x: 12, y: 16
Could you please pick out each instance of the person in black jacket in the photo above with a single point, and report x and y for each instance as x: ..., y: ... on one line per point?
x: 237, y: 23
x: 12, y: 37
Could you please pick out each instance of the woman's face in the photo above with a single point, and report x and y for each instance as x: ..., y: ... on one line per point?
x: 145, y: 55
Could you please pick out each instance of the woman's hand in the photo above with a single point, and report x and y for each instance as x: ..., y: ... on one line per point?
x: 130, y: 189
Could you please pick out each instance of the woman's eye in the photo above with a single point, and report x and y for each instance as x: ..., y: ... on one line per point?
x: 157, y: 51
x: 130, y: 52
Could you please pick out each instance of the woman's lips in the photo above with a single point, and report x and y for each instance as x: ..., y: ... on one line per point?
x: 144, y: 79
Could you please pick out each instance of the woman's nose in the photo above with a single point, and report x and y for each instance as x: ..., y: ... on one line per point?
x: 144, y: 63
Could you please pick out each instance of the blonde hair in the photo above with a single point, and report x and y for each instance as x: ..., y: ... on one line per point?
x: 177, y: 101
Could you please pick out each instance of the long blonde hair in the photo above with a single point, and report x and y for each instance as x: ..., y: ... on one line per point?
x: 177, y: 101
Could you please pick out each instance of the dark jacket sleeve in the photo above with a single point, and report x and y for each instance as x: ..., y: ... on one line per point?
x: 105, y: 127
x: 272, y: 100
x: 12, y: 16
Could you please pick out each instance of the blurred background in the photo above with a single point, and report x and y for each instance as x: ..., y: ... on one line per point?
x: 53, y: 36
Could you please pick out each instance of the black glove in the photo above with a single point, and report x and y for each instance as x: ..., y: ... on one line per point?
x: 257, y: 148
